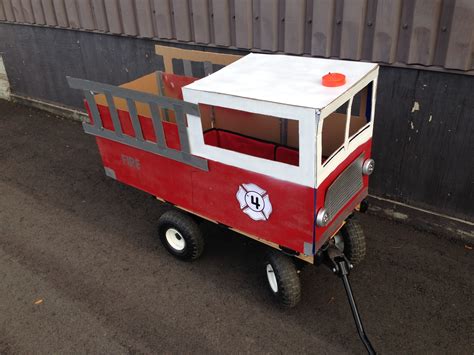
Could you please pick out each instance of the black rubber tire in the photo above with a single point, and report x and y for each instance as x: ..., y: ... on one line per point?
x: 187, y: 228
x: 354, y: 241
x: 288, y: 280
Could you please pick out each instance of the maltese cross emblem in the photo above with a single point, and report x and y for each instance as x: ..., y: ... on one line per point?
x: 254, y: 202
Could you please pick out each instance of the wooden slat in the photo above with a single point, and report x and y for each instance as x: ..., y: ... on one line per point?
x: 60, y: 12
x: 243, y: 24
x: 461, y: 47
x: 17, y: 11
x: 322, y: 30
x: 2, y: 13
x: 294, y: 26
x: 27, y: 11
x: 113, y: 16
x: 406, y: 20
x: 163, y: 19
x: 49, y: 14
x: 444, y: 31
x: 72, y: 14
x: 353, y: 24
x: 98, y: 9
x: 84, y: 9
x: 281, y: 25
x: 424, y: 31
x: 369, y: 30
x: 222, y: 23
x: 386, y: 30
x: 37, y: 12
x: 269, y: 25
x: 128, y: 17
x: 200, y: 14
x: 182, y: 20
x: 256, y: 24
x: 308, y: 26
x: 145, y: 18
x: 337, y: 28
x: 8, y: 9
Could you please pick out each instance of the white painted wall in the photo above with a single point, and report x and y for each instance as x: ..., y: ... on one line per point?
x: 4, y: 84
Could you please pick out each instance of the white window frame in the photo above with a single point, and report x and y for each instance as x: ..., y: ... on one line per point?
x: 302, y: 174
x: 359, y: 138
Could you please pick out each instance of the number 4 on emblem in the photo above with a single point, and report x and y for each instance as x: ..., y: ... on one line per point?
x: 254, y: 201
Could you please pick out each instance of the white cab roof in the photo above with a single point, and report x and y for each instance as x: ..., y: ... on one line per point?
x: 284, y: 79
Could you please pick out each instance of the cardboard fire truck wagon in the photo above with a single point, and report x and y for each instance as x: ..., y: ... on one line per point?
x: 275, y: 147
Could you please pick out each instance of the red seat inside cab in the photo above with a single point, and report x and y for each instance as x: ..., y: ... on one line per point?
x: 287, y: 155
x: 228, y: 140
x: 251, y: 146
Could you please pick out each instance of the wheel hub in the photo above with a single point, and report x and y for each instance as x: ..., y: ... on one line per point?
x: 272, y: 280
x: 175, y: 239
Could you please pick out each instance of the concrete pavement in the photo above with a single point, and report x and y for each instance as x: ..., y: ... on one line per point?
x: 82, y: 271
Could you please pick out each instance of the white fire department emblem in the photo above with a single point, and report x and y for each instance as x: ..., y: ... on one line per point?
x: 254, y: 202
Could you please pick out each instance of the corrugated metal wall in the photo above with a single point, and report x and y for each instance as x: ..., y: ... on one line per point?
x: 435, y: 33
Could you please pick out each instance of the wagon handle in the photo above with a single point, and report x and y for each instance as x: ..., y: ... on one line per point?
x: 341, y: 266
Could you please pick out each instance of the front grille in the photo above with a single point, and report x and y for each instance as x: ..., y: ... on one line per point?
x: 344, y: 187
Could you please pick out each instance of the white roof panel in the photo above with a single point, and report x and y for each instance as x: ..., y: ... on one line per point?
x: 290, y: 80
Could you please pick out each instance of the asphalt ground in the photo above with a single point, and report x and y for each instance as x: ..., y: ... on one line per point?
x: 81, y: 270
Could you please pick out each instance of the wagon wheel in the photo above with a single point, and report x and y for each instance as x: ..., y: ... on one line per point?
x: 351, y: 241
x: 282, y: 278
x: 180, y: 235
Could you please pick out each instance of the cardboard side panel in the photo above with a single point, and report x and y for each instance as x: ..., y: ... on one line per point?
x: 147, y: 83
x: 211, y: 194
x: 170, y: 53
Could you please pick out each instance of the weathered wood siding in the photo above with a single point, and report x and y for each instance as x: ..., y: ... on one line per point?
x: 430, y: 33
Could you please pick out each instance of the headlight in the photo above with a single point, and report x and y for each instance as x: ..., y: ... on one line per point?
x: 322, y: 218
x: 368, y: 167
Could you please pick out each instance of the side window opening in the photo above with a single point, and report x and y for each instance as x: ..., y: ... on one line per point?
x: 257, y: 135
x: 333, y: 132
x: 361, y: 111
